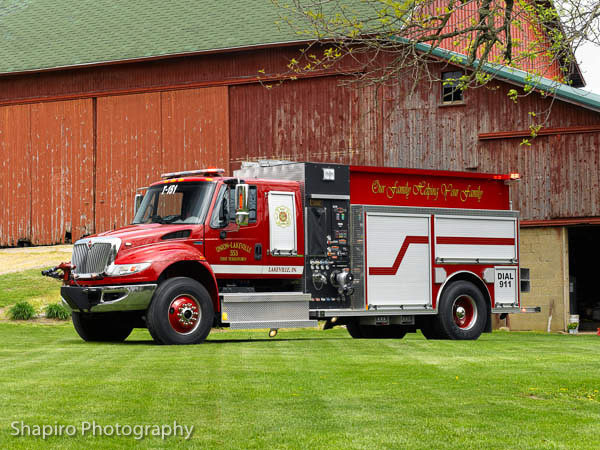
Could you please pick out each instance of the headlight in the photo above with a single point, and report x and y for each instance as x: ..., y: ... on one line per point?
x: 119, y: 270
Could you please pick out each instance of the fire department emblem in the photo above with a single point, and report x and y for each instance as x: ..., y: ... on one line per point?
x: 283, y: 216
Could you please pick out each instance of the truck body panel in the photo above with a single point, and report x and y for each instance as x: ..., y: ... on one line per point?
x: 371, y: 246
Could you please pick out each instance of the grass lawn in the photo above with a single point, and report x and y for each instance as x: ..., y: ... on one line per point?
x: 305, y: 389
x: 28, y: 285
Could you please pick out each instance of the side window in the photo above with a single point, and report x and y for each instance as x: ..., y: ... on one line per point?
x: 225, y: 207
x: 252, y: 204
x: 451, y: 91
x: 220, y: 212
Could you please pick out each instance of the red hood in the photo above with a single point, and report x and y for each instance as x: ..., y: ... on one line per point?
x: 146, y: 233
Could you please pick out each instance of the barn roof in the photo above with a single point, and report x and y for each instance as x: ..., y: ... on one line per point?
x: 49, y: 34
x: 39, y: 35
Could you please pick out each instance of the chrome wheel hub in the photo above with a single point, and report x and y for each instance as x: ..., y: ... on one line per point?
x: 188, y: 314
x: 184, y: 314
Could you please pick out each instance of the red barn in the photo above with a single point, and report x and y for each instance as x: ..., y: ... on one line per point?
x: 97, y: 99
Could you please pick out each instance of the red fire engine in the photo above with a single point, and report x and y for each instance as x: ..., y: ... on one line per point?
x: 384, y: 251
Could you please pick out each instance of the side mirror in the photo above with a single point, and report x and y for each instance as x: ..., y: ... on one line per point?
x: 241, y: 204
x: 137, y: 203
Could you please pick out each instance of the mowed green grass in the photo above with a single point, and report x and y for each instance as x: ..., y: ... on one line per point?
x: 306, y: 389
x: 28, y: 285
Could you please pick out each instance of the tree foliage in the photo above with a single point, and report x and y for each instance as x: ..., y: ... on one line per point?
x: 377, y: 40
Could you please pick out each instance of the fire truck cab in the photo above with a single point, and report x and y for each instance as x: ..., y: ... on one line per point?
x: 383, y: 251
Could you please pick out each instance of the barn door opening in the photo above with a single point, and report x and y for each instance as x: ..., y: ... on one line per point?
x: 584, y: 300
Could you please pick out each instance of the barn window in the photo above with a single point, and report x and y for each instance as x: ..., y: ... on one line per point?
x: 451, y: 91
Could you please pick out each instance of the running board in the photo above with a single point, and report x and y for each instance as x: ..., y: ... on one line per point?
x: 266, y: 310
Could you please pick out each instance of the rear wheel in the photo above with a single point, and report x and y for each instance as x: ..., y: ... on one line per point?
x: 101, y: 327
x: 462, y: 312
x: 181, y: 312
x: 358, y: 331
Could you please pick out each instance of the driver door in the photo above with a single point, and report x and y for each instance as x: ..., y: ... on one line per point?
x: 234, y: 251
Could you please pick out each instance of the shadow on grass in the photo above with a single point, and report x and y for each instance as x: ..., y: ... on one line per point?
x: 231, y: 341
x: 207, y: 342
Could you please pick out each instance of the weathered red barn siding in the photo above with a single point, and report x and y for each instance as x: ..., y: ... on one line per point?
x: 171, y: 123
x: 418, y: 126
x: 128, y: 154
x: 305, y: 120
x: 143, y: 135
x: 560, y: 173
x: 62, y: 164
x: 195, y: 129
x: 15, y: 179
x: 170, y: 73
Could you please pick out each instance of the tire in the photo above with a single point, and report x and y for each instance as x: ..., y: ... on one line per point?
x: 428, y: 328
x: 101, y: 327
x: 358, y: 331
x: 181, y: 312
x: 462, y: 312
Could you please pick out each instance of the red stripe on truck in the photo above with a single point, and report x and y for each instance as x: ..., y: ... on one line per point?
x: 392, y: 270
x: 474, y: 241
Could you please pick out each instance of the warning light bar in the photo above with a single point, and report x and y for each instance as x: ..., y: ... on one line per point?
x: 511, y: 176
x: 212, y: 171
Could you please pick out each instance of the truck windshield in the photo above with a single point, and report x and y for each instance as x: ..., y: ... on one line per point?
x: 175, y: 203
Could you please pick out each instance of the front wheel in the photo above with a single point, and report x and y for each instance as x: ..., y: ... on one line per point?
x: 101, y: 327
x: 462, y: 312
x: 181, y: 312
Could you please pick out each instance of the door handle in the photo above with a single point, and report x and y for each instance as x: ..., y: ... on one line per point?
x: 257, y: 252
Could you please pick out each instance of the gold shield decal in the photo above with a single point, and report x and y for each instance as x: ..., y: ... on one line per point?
x: 283, y: 216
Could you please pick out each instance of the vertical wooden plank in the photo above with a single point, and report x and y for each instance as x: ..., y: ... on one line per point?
x: 195, y: 129
x: 305, y: 120
x: 128, y: 154
x: 62, y: 171
x: 15, y: 175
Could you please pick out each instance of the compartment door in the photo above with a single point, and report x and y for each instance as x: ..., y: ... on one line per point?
x: 398, y: 260
x: 282, y: 223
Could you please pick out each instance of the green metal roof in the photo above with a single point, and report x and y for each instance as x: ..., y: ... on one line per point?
x: 558, y: 90
x: 49, y: 34
x: 44, y: 34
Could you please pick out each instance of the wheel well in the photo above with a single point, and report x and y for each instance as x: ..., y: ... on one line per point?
x: 471, y: 277
x: 196, y: 271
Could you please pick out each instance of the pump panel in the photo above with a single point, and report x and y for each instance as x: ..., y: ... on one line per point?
x: 328, y: 252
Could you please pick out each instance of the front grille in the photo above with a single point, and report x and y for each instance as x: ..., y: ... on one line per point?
x: 80, y: 252
x: 92, y: 260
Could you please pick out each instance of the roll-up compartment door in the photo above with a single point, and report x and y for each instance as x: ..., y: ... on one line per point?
x: 398, y: 260
x: 282, y: 223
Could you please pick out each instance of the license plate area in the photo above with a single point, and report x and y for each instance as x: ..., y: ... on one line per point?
x: 506, y: 284
x: 382, y: 320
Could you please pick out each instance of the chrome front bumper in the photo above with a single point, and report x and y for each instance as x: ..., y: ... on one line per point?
x: 107, y: 298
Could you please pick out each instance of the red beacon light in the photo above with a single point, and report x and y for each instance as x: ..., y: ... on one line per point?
x: 210, y: 172
x: 513, y: 176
